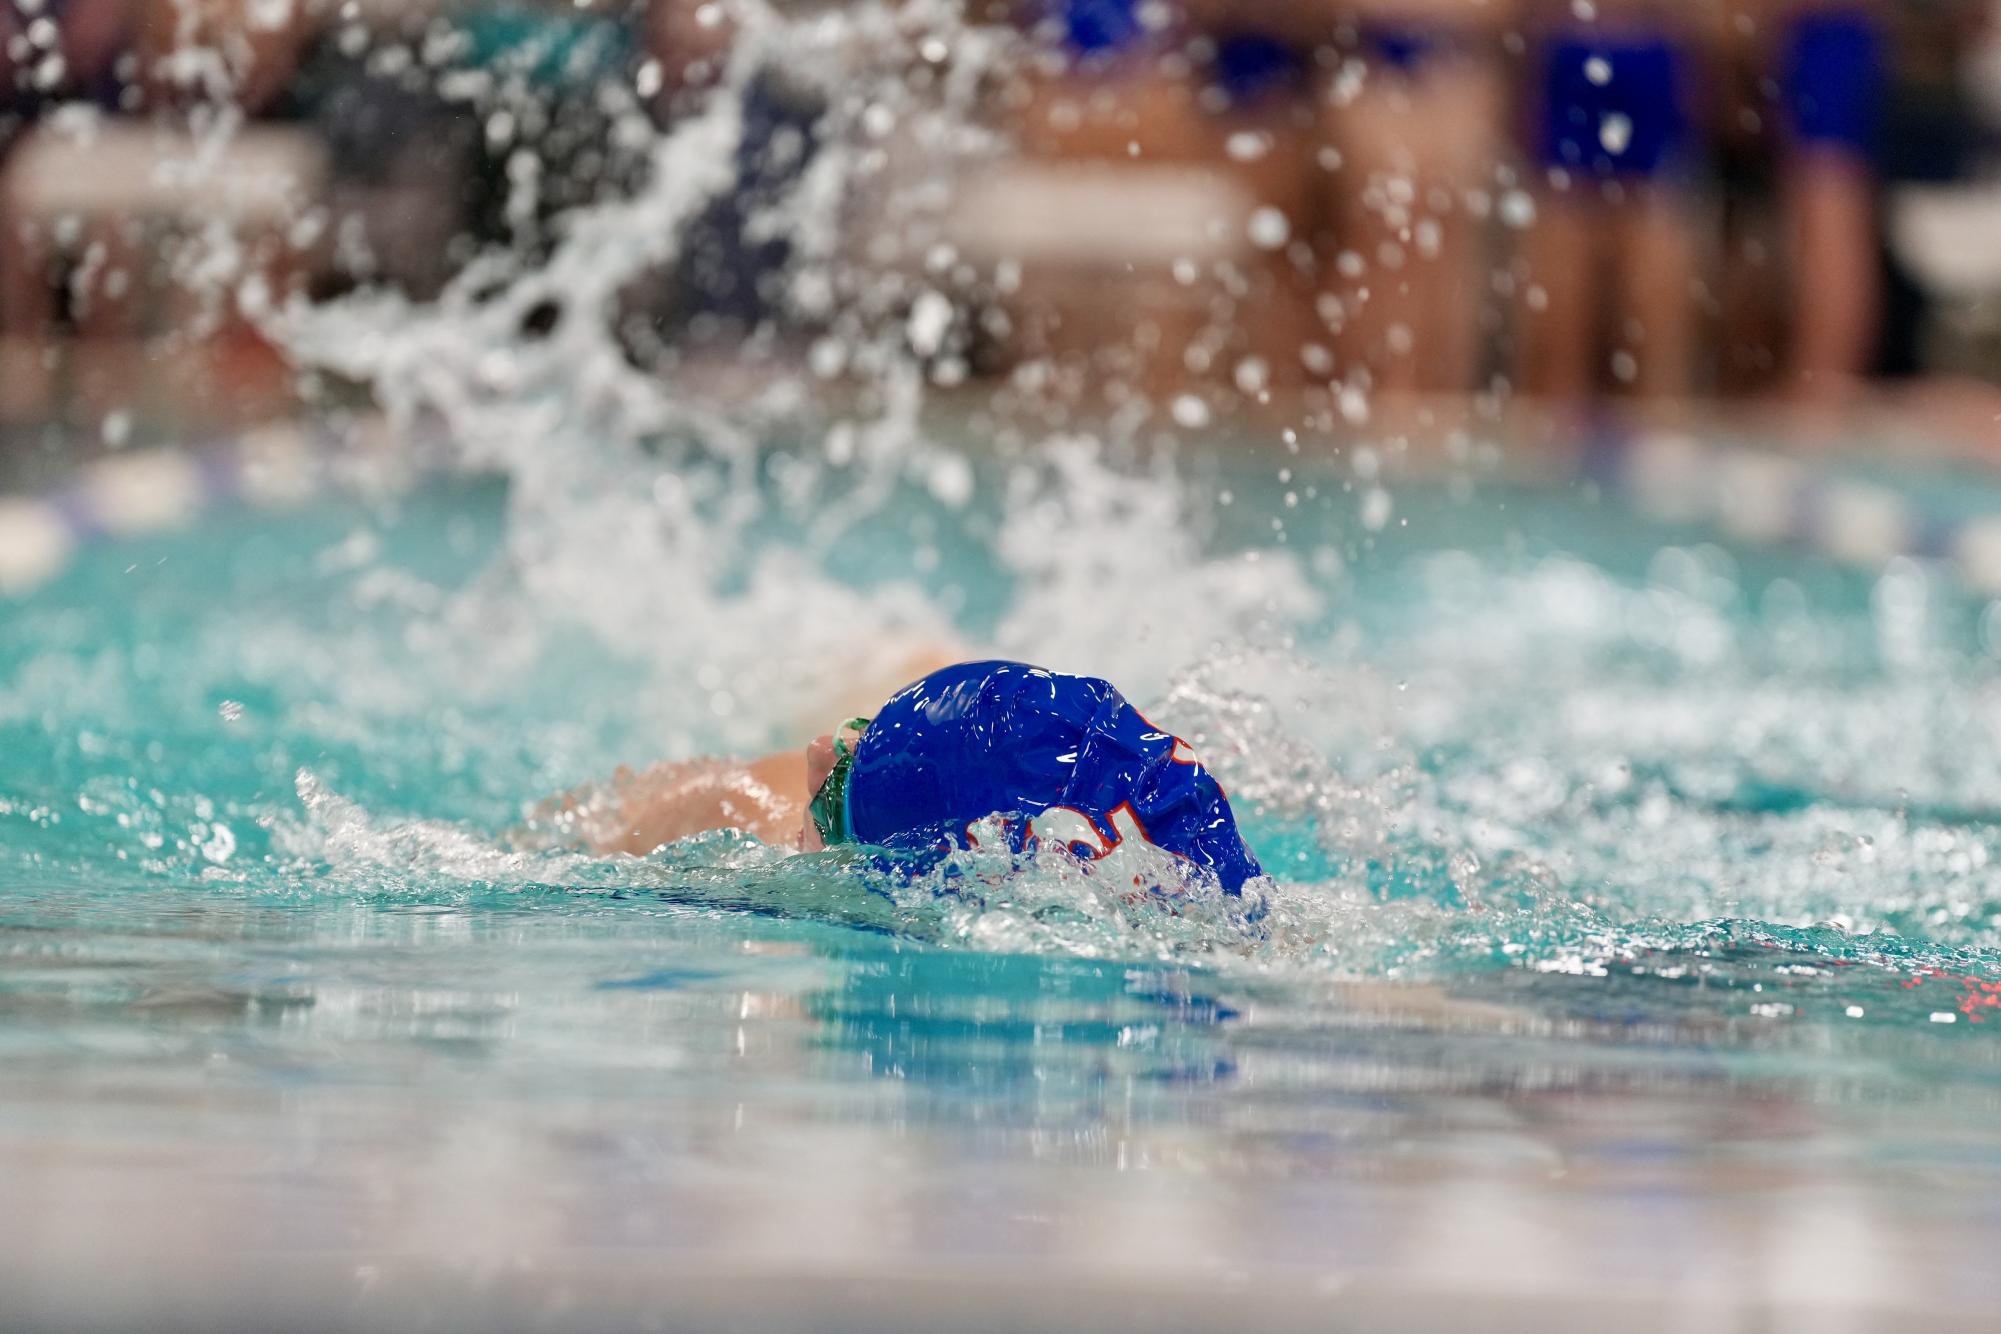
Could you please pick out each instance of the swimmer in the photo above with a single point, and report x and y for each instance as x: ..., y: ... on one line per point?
x: 1055, y: 759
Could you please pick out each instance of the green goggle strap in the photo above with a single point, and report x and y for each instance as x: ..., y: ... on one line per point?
x: 830, y: 804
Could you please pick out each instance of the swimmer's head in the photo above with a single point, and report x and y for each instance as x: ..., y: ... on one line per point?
x: 829, y: 760
x: 1058, y: 758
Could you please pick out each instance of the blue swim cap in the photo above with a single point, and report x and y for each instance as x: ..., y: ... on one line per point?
x: 1059, y: 758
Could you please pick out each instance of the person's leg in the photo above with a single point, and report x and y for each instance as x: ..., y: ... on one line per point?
x: 110, y: 285
x: 1407, y: 268
x: 107, y: 285
x: 1560, y: 271
x: 1833, y: 78
x: 1831, y: 206
x: 1559, y: 300
x: 1655, y: 236
x: 1376, y: 204
x: 27, y: 312
x: 1462, y: 104
x: 1641, y: 146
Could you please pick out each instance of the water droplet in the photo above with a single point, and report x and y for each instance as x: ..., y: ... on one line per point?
x: 930, y: 317
x: 1269, y: 229
x: 220, y: 845
x: 1247, y: 146
x: 1615, y: 132
x: 1376, y: 509
x: 1518, y: 209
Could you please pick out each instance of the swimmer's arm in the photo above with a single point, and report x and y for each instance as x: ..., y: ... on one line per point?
x: 637, y: 812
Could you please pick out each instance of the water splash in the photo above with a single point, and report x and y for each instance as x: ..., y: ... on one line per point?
x: 1541, y: 768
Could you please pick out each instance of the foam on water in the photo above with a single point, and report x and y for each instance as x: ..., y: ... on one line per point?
x: 1569, y: 824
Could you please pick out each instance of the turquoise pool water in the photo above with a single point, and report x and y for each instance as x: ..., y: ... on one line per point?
x: 1630, y: 948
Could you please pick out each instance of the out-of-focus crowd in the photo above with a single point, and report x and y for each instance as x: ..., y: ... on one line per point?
x: 1574, y: 201
x: 1368, y: 202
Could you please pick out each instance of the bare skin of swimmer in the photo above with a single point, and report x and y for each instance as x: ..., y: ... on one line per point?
x: 636, y: 811
x: 640, y: 810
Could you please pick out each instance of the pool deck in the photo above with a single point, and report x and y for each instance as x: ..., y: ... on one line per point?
x: 497, y: 1224
x: 635, y: 1292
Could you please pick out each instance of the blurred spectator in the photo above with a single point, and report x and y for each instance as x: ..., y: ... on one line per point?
x: 1832, y: 78
x: 548, y: 70
x: 1945, y: 75
x: 104, y: 254
x: 687, y: 40
x: 728, y: 279
x: 1416, y: 140
x: 78, y: 50
x: 1838, y: 108
x: 401, y: 156
x: 211, y: 55
x: 1215, y: 200
x: 1173, y: 250
x: 1118, y: 169
x: 1611, y: 260
x: 1256, y: 65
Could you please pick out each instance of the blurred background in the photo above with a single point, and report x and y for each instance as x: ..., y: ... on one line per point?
x: 1636, y: 929
x: 1421, y: 219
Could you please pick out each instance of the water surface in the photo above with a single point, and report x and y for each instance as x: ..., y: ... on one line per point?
x: 1632, y: 933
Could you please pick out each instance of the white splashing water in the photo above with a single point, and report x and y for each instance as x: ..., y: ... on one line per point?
x: 632, y: 502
